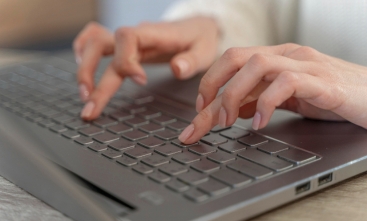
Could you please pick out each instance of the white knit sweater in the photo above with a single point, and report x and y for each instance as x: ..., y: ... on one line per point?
x: 334, y: 27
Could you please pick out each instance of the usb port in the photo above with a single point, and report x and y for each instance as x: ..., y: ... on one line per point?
x: 327, y: 178
x: 303, y: 188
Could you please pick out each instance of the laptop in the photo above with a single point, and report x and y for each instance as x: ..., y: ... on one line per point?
x: 129, y: 165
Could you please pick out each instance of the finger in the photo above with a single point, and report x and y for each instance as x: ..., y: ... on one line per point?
x: 107, y: 87
x: 286, y: 85
x: 91, y: 29
x: 227, y: 66
x: 194, y: 60
x: 127, y: 58
x: 92, y: 53
x: 202, y: 123
x: 260, y: 67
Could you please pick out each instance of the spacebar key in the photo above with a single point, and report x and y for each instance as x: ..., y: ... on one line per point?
x: 265, y: 160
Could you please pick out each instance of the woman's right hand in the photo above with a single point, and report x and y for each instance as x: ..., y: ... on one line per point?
x: 189, y: 45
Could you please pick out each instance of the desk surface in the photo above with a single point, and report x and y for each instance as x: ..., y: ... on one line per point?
x: 344, y: 201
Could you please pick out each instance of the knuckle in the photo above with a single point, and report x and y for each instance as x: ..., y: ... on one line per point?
x: 93, y: 27
x: 291, y: 45
x: 228, y: 94
x: 124, y: 32
x: 232, y: 53
x: 258, y: 60
x: 288, y: 78
x: 205, y: 115
x: 306, y: 50
x: 266, y: 100
x: 206, y: 81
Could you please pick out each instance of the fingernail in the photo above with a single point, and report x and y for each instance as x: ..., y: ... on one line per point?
x: 139, y: 79
x: 256, y: 121
x: 78, y: 59
x: 199, y: 103
x: 222, y: 117
x: 183, y: 66
x: 87, y: 110
x: 186, y: 133
x: 83, y: 91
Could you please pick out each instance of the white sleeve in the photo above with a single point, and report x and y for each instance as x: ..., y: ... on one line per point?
x: 243, y: 22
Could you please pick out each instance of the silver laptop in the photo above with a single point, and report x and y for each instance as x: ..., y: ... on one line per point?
x: 129, y: 165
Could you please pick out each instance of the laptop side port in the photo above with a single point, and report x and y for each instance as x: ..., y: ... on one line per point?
x: 327, y: 178
x: 303, y: 188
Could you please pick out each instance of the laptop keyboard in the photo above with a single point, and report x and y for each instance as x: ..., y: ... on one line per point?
x: 139, y: 137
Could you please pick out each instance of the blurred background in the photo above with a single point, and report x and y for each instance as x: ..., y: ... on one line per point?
x: 52, y: 24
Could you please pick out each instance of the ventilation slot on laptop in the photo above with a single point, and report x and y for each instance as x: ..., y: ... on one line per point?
x: 303, y: 188
x: 327, y: 178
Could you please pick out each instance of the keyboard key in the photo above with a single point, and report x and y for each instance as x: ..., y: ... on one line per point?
x: 75, y: 111
x: 108, y: 111
x: 136, y: 122
x: 155, y: 160
x: 83, y: 140
x: 46, y: 123
x: 173, y: 169
x: 97, y: 147
x: 104, y: 122
x: 218, y: 129
x: 296, y: 156
x: 121, y: 116
x: 76, y: 125
x: 126, y: 161
x: 213, y: 187
x: 232, y: 147
x: 164, y: 120
x: 231, y: 178
x: 265, y: 160
x: 205, y: 166
x: 151, y: 142
x: 106, y: 137
x: 177, y: 186
x: 135, y: 135
x: 186, y: 158
x: 202, y: 149
x: 168, y: 150
x: 253, y: 140
x: 133, y: 108
x: 159, y: 177
x: 138, y: 152
x: 221, y: 157
x: 121, y: 145
x: 213, y: 139
x: 251, y: 169
x: 234, y: 133
x: 58, y: 128
x: 119, y: 128
x: 273, y: 147
x: 151, y: 128
x: 196, y: 195
x: 167, y: 135
x: 183, y: 145
x: 50, y: 113
x: 111, y: 153
x: 143, y: 169
x: 91, y: 131
x: 177, y: 126
x: 62, y: 119
x: 149, y: 114
x: 71, y: 134
x: 193, y: 178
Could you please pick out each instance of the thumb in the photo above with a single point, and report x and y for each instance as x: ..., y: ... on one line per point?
x: 196, y: 59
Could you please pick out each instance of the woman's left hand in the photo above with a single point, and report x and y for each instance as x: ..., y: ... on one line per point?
x: 288, y: 76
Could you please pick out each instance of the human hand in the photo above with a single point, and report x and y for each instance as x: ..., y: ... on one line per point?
x: 287, y: 76
x: 190, y: 45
